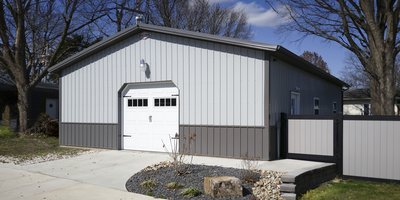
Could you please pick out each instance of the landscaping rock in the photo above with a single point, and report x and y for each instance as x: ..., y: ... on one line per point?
x: 223, y: 186
x: 268, y: 187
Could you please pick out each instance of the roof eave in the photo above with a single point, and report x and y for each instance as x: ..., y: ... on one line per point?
x: 299, y: 62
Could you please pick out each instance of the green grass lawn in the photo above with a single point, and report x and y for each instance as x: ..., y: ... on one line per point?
x: 28, y: 147
x: 354, y: 189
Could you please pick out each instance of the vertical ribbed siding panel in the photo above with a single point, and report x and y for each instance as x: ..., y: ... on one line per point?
x: 251, y: 142
x: 244, y: 136
x: 259, y: 142
x: 230, y: 73
x: 192, y: 82
x: 94, y: 135
x: 232, y: 142
x: 217, y: 141
x: 236, y: 143
x: 224, y: 142
x: 286, y: 78
x: 236, y: 90
x: 224, y: 86
x: 185, y: 91
x: 210, y: 140
x: 209, y: 60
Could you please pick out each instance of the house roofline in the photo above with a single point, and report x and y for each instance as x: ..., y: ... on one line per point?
x: 276, y: 50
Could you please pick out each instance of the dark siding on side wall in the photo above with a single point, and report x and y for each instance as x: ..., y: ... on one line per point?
x: 89, y: 135
x: 221, y: 141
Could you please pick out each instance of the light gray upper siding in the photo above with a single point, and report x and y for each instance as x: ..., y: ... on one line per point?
x: 220, y: 85
x: 285, y: 78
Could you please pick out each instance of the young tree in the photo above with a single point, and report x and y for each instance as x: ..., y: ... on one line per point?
x: 33, y: 35
x: 316, y: 59
x: 367, y: 28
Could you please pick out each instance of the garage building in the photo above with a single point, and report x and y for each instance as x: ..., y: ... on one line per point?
x: 220, y: 96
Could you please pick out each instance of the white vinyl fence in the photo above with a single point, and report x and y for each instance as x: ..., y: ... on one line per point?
x: 371, y: 148
x: 311, y: 136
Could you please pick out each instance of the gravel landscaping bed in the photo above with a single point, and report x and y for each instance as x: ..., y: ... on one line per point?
x: 153, y: 181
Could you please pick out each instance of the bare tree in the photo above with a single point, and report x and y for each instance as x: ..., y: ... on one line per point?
x: 355, y: 75
x: 315, y: 59
x: 120, y: 15
x: 367, y: 28
x: 33, y: 34
x: 198, y: 16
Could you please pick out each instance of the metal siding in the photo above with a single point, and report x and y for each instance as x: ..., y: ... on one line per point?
x: 225, y: 141
x: 284, y: 78
x: 221, y: 85
x: 370, y: 149
x: 313, y: 137
x: 88, y: 135
x: 258, y: 145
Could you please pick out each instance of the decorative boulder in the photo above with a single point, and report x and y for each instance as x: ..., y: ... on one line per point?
x: 223, y: 186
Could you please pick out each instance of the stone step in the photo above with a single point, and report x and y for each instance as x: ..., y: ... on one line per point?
x: 288, y: 187
x: 289, y: 178
x: 288, y: 196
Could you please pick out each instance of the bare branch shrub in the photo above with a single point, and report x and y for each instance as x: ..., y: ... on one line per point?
x: 178, y: 157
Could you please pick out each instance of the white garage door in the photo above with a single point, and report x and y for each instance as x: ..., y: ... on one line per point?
x: 150, y: 117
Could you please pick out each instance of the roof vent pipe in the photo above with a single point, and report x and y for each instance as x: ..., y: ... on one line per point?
x: 139, y: 19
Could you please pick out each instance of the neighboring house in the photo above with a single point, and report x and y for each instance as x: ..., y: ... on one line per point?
x: 357, y: 101
x: 44, y: 99
x: 222, y: 96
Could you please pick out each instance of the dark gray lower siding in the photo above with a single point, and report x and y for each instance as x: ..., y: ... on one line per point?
x: 217, y: 141
x: 89, y: 135
x: 230, y: 142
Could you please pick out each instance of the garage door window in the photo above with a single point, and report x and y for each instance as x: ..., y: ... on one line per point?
x: 165, y: 102
x: 137, y: 102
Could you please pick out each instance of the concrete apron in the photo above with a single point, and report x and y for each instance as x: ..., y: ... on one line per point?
x: 20, y: 184
x: 111, y: 169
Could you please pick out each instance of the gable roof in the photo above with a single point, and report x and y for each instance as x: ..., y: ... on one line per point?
x: 276, y: 50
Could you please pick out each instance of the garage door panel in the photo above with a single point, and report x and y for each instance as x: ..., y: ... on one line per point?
x: 146, y: 126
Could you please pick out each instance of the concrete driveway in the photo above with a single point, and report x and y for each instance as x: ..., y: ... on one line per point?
x: 100, y: 173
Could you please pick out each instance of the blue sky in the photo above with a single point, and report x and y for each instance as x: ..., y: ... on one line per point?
x: 265, y: 21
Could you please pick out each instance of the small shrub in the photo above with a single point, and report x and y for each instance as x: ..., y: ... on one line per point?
x: 6, y: 132
x: 250, y: 173
x: 44, y: 125
x: 173, y: 186
x: 178, y: 157
x: 190, y: 192
x: 148, y: 184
